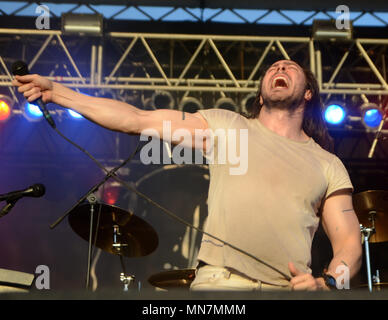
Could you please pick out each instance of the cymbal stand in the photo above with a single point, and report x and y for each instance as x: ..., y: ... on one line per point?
x: 92, y: 200
x: 126, y: 280
x: 376, y: 280
x: 117, y: 245
x: 367, y: 232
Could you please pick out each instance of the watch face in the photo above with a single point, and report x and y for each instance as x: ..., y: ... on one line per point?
x: 330, y: 281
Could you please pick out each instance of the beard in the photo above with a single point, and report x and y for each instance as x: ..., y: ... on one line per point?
x: 290, y: 103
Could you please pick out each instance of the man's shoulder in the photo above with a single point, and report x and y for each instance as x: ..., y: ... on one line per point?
x: 226, y: 117
x: 323, y: 155
x: 220, y: 112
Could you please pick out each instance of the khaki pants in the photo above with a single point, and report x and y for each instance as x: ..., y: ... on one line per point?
x: 212, y: 278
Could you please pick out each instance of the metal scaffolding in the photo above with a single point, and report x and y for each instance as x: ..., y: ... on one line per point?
x: 129, y: 65
x: 167, y: 67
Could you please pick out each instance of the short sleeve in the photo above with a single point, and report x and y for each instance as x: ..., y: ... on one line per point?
x: 337, y: 177
x: 218, y: 118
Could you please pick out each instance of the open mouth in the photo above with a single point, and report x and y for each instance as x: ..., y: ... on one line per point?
x: 279, y: 82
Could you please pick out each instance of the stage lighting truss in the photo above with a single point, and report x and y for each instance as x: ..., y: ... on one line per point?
x: 236, y: 12
x: 6, y: 104
x: 201, y: 65
x: 186, y: 70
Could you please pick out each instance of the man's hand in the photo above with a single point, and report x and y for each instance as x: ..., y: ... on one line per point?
x: 305, y: 281
x: 34, y: 86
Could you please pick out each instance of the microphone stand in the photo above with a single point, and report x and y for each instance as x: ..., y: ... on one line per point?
x: 84, y: 197
x: 92, y: 200
x: 8, y: 207
x: 95, y: 187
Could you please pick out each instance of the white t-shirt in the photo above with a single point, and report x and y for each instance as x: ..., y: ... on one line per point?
x: 270, y: 211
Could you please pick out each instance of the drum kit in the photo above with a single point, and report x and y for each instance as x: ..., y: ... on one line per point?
x: 122, y: 233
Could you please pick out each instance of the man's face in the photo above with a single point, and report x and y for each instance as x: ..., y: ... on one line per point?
x: 283, y: 86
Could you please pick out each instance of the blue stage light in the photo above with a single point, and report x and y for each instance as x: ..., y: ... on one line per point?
x: 335, y: 114
x: 372, y: 118
x: 371, y: 115
x: 32, y: 112
x: 74, y: 114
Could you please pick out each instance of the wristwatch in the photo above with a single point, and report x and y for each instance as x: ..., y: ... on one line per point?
x: 330, y: 281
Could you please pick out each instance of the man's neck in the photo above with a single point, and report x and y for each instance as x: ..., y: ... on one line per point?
x: 284, y: 123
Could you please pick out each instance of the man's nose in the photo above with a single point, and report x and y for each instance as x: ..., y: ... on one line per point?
x: 281, y: 67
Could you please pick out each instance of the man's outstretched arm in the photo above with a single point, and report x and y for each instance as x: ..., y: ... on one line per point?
x: 109, y: 113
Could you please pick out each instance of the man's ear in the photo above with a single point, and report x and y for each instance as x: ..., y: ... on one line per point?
x: 261, y: 100
x: 308, y: 95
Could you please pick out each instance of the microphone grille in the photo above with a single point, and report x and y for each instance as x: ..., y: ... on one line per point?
x: 20, y: 68
x: 38, y: 190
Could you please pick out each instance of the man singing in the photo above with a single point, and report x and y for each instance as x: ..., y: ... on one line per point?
x: 272, y: 210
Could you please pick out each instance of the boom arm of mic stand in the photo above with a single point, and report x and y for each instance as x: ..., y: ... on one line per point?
x: 95, y: 187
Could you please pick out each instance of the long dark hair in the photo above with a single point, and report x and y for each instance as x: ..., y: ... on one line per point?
x: 313, y: 123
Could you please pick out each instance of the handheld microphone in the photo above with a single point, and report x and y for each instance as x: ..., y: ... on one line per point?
x: 20, y: 68
x: 36, y: 190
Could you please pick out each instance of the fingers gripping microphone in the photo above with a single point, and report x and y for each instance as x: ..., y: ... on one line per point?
x: 20, y: 68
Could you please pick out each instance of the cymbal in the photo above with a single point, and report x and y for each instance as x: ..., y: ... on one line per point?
x: 371, y: 208
x: 119, y: 232
x: 173, y: 279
